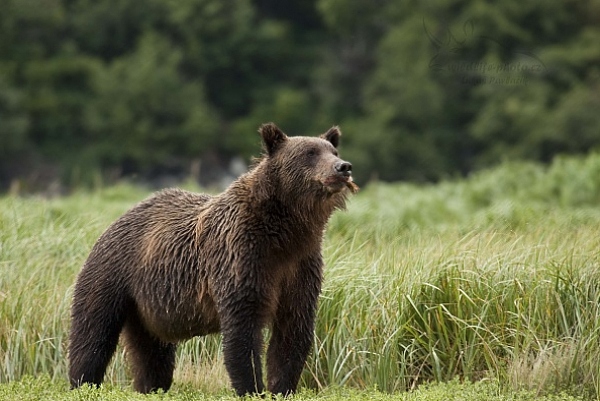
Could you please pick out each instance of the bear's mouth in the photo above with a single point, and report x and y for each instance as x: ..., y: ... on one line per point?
x: 337, y: 183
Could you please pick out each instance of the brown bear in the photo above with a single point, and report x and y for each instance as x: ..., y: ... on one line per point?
x: 181, y: 264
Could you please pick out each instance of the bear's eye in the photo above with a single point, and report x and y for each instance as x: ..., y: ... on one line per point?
x: 311, y: 153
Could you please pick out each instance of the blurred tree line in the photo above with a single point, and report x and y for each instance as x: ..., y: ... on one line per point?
x: 422, y: 90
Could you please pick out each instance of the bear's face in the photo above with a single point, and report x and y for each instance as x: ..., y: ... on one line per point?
x: 308, y: 163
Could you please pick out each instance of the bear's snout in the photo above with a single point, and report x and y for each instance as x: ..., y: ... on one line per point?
x: 343, y: 167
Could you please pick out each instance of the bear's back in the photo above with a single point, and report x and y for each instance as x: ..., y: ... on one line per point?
x: 168, y: 213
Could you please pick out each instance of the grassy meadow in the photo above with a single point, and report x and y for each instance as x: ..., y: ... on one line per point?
x: 482, y: 288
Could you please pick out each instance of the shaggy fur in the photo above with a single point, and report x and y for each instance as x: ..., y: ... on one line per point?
x: 181, y: 264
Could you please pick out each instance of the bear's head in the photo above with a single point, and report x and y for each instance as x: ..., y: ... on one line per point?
x: 305, y: 165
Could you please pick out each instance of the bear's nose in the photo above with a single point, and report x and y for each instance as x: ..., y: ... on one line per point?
x: 344, y: 168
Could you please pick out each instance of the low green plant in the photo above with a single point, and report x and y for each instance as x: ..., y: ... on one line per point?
x: 45, y: 389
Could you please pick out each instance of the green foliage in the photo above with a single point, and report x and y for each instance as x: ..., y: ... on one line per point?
x: 457, y: 87
x: 13, y: 123
x: 422, y: 92
x: 143, y: 104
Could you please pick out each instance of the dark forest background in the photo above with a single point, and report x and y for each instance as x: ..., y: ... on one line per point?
x: 106, y: 89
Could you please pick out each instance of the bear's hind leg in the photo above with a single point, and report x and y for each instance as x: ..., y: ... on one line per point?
x: 152, y: 361
x: 95, y: 329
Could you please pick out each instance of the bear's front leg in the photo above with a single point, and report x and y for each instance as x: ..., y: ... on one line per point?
x: 293, y: 328
x: 242, y: 344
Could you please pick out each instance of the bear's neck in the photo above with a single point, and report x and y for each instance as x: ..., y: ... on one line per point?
x: 298, y: 205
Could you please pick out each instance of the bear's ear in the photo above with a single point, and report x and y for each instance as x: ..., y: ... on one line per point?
x: 333, y: 136
x: 272, y: 137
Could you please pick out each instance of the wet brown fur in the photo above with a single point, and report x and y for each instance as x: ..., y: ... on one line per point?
x: 181, y: 264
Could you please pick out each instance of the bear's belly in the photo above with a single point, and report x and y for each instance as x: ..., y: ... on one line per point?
x: 180, y: 323
x: 175, y: 330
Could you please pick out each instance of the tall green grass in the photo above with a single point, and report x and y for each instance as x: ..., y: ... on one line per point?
x: 519, y: 307
x: 495, y: 276
x: 42, y: 246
